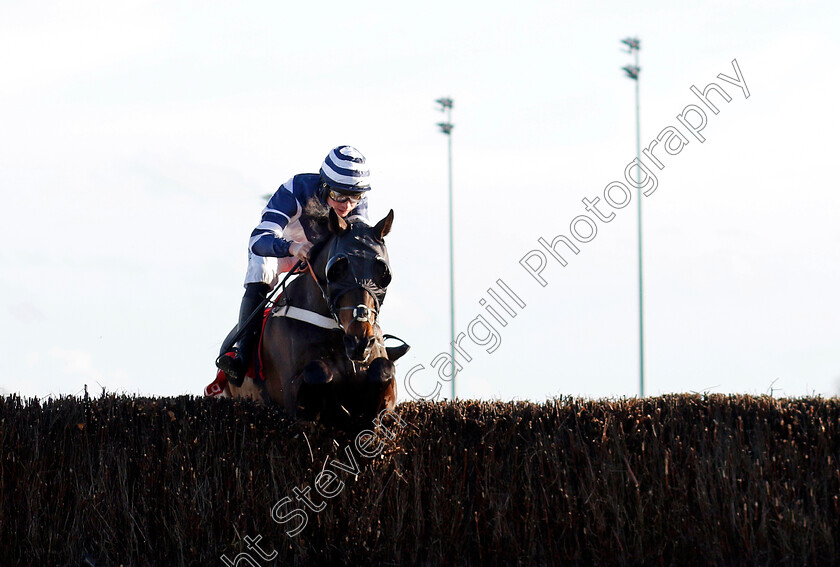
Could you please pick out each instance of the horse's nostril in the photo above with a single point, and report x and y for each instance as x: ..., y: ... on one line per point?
x: 358, y: 348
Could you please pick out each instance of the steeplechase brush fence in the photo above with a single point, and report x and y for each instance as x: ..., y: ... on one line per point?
x: 674, y: 480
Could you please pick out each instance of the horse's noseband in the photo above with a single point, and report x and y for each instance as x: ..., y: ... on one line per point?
x: 357, y: 261
x: 361, y: 313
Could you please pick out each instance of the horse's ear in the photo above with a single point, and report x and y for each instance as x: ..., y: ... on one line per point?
x: 337, y: 224
x: 383, y: 227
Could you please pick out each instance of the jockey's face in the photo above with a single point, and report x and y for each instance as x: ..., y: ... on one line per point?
x: 341, y: 209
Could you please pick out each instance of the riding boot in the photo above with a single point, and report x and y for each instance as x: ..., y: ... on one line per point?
x: 235, y: 359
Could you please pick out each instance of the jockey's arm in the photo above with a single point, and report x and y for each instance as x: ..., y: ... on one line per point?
x: 267, y: 239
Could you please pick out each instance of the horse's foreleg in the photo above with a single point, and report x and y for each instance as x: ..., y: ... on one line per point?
x: 382, y: 385
x: 318, y: 372
x: 316, y: 388
x: 381, y: 371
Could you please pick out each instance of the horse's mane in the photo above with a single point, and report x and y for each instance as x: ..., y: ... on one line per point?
x: 318, y: 247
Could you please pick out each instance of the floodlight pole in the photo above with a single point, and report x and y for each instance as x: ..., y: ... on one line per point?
x: 633, y: 46
x: 446, y: 127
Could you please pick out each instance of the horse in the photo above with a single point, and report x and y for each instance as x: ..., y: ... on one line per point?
x: 322, y: 351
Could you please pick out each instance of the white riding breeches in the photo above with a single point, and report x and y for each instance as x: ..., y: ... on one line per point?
x: 266, y: 269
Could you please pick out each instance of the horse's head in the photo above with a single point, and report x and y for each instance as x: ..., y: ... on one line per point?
x: 357, y: 272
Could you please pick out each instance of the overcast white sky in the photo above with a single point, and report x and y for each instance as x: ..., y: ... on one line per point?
x: 138, y: 138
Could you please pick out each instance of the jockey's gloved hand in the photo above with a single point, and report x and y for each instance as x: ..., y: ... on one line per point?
x: 300, y: 250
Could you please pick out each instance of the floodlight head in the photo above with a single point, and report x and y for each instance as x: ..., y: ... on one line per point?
x: 444, y: 102
x: 632, y: 72
x: 446, y: 127
x: 632, y: 43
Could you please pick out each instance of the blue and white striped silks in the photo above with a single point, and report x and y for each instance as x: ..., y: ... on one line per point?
x: 281, y: 218
x: 345, y: 168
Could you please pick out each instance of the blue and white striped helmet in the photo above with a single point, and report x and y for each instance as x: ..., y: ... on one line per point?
x: 345, y: 169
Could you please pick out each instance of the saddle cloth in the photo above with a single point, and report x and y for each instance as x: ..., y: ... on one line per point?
x: 217, y: 387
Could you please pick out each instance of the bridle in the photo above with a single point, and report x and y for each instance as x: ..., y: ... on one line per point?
x: 361, y: 313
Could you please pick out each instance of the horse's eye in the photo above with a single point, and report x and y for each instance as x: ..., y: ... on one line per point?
x: 337, y: 269
x: 382, y: 273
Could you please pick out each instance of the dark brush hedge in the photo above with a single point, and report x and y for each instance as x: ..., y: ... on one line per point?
x: 676, y: 480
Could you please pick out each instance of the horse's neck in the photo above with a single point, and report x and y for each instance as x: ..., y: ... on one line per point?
x: 303, y: 292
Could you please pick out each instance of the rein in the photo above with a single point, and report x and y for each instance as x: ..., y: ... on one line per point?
x: 361, y: 312
x: 268, y: 301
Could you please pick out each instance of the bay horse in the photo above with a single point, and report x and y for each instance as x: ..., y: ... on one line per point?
x: 322, y: 350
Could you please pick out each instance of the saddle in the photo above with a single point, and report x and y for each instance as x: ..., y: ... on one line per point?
x: 281, y: 309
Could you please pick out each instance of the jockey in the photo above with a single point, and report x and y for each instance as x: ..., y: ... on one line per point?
x: 294, y: 218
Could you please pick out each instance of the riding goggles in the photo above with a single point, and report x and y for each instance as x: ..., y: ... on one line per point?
x: 344, y: 197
